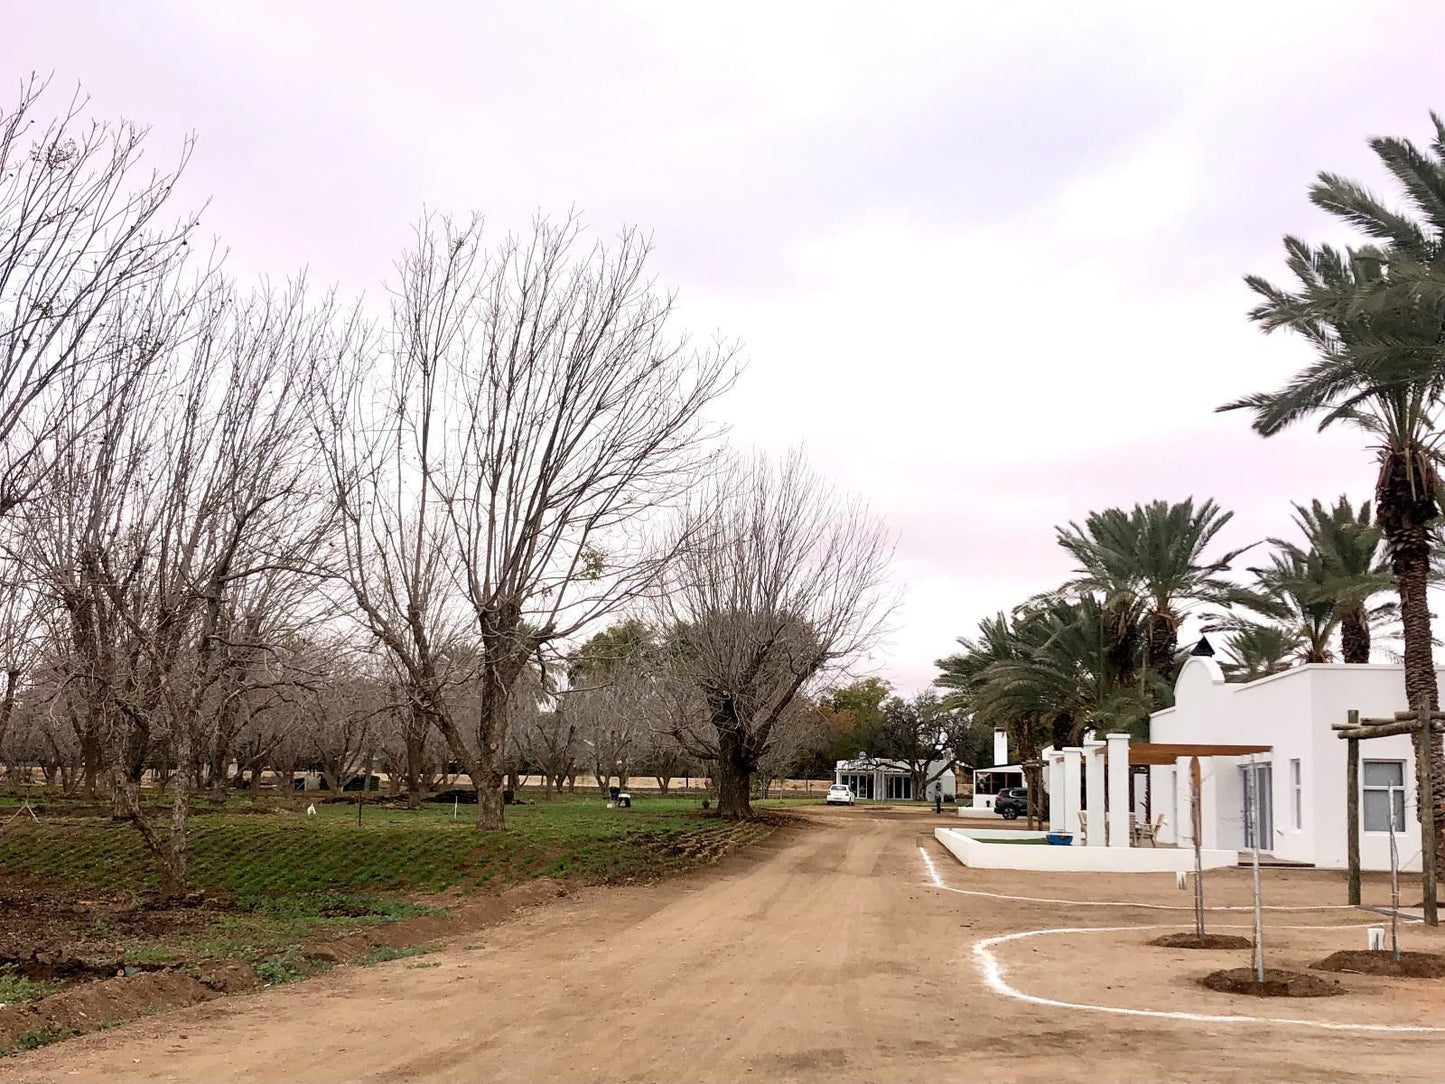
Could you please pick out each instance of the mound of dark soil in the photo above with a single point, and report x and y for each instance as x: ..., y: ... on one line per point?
x: 1410, y: 965
x: 1208, y: 941
x: 1277, y: 983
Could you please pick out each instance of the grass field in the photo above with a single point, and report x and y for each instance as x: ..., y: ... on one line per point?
x: 248, y: 854
x: 276, y: 876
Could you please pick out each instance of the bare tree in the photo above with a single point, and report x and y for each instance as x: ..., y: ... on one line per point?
x: 344, y: 713
x: 536, y: 412
x: 780, y: 581
x: 548, y: 741
x: 610, y: 723
x: 82, y: 245
x: 801, y: 731
x: 197, y: 482
x: 925, y: 734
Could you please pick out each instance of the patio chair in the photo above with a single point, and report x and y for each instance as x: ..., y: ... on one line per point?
x: 1148, y: 831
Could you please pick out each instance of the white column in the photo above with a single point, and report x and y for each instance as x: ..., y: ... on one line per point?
x: 1056, y: 791
x: 1094, y: 791
x: 1073, y: 776
x: 1000, y: 747
x: 1208, y: 803
x: 1183, y: 830
x: 1119, y: 790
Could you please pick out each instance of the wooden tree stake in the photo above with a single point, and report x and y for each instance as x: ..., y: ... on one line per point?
x: 1196, y: 819
x: 1352, y: 811
x: 1427, y: 812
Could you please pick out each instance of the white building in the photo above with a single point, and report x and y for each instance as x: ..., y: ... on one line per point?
x: 1002, y: 775
x: 1302, y: 778
x: 890, y: 780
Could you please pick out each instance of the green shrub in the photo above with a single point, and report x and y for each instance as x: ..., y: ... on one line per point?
x: 15, y: 988
x: 281, y: 968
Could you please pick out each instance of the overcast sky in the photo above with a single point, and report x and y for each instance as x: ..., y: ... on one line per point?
x: 985, y: 258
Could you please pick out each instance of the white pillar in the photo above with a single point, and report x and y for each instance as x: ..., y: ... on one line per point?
x: 1000, y: 747
x: 1056, y: 791
x: 1208, y: 803
x: 1094, y: 792
x: 1119, y: 790
x: 1072, y: 778
x: 1184, y: 830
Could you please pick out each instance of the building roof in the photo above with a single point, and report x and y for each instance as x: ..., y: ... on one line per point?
x: 881, y: 764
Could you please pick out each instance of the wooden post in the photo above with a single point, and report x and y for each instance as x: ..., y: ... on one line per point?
x: 1352, y: 810
x: 1255, y: 816
x: 1427, y: 812
x: 1197, y: 819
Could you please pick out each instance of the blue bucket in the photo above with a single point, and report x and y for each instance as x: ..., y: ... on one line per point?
x: 1060, y: 839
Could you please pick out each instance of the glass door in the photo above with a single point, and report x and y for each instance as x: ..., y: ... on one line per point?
x: 1258, y: 782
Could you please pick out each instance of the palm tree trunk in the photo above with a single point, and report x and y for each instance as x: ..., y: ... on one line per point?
x: 1163, y: 642
x: 1404, y: 501
x: 1355, y: 636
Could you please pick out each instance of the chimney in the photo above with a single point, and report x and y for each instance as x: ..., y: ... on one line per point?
x: 1000, y: 747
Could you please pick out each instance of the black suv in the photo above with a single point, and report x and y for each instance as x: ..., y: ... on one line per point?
x: 1012, y: 803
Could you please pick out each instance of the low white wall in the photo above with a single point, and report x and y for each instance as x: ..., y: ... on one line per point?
x: 1074, y: 859
x: 998, y: 833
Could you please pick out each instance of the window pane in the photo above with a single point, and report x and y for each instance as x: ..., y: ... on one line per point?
x: 1377, y: 810
x: 1384, y: 773
x: 1294, y: 772
x: 1399, y: 810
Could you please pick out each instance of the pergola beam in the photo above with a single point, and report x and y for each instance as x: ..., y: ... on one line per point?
x: 1380, y: 729
x: 1420, y: 724
x: 1158, y: 753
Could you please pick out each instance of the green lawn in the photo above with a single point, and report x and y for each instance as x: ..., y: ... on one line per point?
x: 282, y: 877
x: 282, y: 852
x: 1017, y: 842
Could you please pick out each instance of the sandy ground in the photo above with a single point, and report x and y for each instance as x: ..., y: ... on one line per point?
x: 824, y: 954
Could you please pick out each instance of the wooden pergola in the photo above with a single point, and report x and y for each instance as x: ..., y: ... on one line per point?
x: 1422, y: 724
x: 1155, y: 753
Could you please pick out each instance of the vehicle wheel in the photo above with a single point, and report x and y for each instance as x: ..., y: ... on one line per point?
x: 1010, y: 814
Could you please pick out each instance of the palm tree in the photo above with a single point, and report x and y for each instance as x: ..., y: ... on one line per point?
x: 1068, y: 676
x: 966, y: 674
x: 1376, y: 319
x: 1259, y: 649
x: 1153, y: 556
x: 1291, y: 591
x: 1353, y: 568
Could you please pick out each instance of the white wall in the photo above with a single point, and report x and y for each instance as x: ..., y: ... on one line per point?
x: 1075, y: 859
x: 1292, y: 712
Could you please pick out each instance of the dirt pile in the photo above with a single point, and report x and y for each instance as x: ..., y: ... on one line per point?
x: 1277, y: 983
x: 92, y: 1005
x: 1410, y: 965
x: 1208, y: 941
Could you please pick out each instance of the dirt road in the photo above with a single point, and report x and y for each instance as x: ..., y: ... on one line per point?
x: 825, y: 954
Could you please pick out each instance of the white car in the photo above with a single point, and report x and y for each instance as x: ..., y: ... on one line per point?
x: 840, y: 794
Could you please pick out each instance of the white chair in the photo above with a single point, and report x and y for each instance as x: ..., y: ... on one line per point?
x: 1148, y: 831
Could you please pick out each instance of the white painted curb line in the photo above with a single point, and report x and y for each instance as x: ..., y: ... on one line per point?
x: 993, y: 971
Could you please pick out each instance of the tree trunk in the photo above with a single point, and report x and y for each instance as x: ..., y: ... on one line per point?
x: 1405, y: 505
x: 663, y: 782
x: 176, y: 860
x: 487, y: 779
x: 1163, y: 642
x: 7, y: 705
x: 734, y: 774
x: 1355, y: 636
